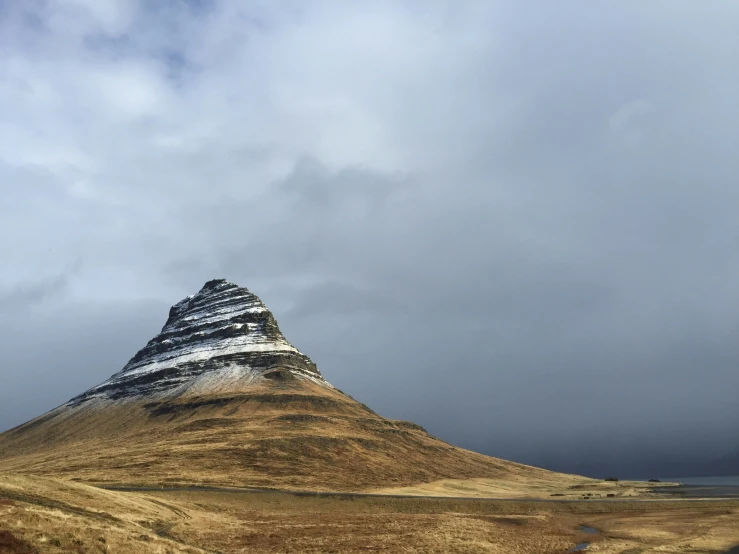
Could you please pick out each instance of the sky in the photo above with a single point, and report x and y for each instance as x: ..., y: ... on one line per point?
x: 512, y: 223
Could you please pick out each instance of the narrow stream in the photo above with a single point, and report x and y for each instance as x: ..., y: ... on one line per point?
x: 591, y: 531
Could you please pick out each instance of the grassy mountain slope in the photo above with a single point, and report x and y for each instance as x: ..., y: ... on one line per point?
x: 280, y: 431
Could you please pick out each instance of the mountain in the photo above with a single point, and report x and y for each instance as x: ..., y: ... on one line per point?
x: 220, y: 397
x: 222, y: 337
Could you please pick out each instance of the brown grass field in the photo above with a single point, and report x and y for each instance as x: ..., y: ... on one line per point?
x: 44, y: 515
x: 284, y: 434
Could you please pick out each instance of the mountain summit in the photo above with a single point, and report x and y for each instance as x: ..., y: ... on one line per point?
x: 222, y: 335
x: 220, y: 397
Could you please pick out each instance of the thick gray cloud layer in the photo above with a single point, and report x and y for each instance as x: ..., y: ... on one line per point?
x: 515, y: 225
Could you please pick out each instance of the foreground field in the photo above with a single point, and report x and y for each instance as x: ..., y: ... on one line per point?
x: 40, y: 515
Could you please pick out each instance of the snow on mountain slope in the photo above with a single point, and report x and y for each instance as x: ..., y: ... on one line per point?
x: 221, y: 335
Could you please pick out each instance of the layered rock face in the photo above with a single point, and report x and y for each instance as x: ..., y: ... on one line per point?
x: 223, y: 331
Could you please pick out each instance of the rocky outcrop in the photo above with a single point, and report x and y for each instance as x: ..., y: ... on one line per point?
x: 223, y: 330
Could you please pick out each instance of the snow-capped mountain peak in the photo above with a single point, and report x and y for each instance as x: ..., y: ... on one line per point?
x: 224, y: 332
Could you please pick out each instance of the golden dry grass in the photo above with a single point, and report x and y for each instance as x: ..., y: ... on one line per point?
x: 46, y: 515
x: 51, y: 516
x: 522, y: 485
x: 285, y: 435
x: 292, y: 434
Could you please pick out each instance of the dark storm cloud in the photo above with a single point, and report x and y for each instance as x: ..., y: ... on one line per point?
x: 515, y: 227
x: 51, y: 355
x: 24, y: 296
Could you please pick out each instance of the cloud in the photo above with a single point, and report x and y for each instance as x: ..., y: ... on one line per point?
x: 628, y: 113
x: 27, y: 295
x: 627, y: 123
x: 511, y: 226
